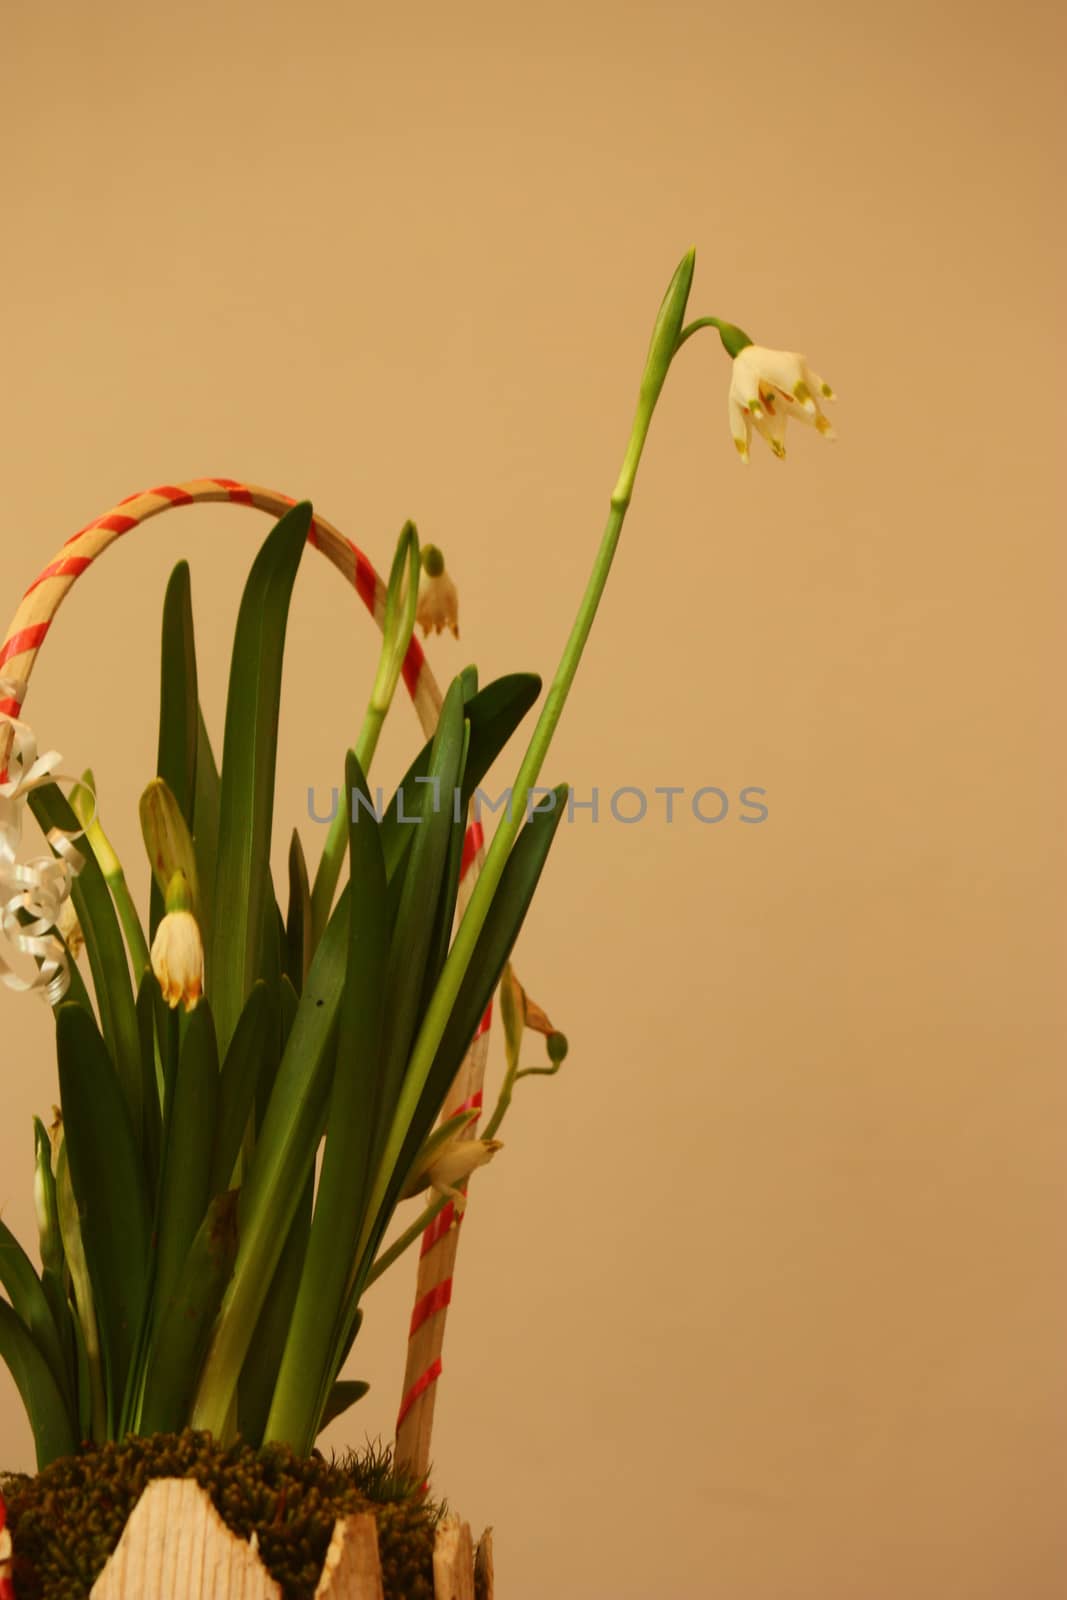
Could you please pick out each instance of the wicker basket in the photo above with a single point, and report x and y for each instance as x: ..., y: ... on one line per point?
x: 176, y: 1547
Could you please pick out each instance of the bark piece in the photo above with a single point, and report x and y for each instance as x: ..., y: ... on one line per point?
x: 483, y: 1563
x: 453, y: 1561
x: 352, y: 1569
x: 176, y: 1547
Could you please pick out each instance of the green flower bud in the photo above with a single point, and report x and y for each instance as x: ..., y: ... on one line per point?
x: 45, y: 1203
x: 168, y: 840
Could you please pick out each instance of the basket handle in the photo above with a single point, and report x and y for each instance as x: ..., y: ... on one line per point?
x: 43, y: 598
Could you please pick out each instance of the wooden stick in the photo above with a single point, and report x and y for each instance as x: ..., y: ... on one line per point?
x: 437, y: 1259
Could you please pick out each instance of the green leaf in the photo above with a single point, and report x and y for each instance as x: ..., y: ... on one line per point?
x: 493, y: 713
x: 206, y: 829
x: 419, y: 904
x: 92, y: 1398
x: 495, y: 943
x: 345, y: 1173
x: 53, y: 1434
x: 189, y: 1125
x: 29, y: 1301
x: 298, y: 929
x: 284, y: 1156
x: 86, y: 1380
x: 179, y: 706
x: 109, y: 1188
x: 445, y: 915
x: 107, y: 955
x: 148, y: 1000
x: 239, y: 1083
x: 246, y: 804
x: 492, y: 949
x: 345, y: 1393
x: 260, y: 1372
x: 76, y: 991
x: 184, y: 1323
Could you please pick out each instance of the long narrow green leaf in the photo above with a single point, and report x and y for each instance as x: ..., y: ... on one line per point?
x: 298, y: 927
x: 86, y: 1380
x: 495, y: 943
x: 345, y: 1393
x: 206, y: 828
x: 53, y: 1434
x: 179, y: 706
x: 419, y: 900
x: 493, y: 713
x: 260, y: 1372
x: 345, y: 1173
x: 92, y: 1396
x: 109, y: 1188
x: 445, y: 915
x: 284, y: 1156
x: 107, y: 955
x: 239, y: 1083
x: 184, y: 1326
x: 246, y: 804
x: 29, y: 1301
x: 148, y: 997
x: 77, y: 991
x: 53, y: 1260
x: 188, y: 1135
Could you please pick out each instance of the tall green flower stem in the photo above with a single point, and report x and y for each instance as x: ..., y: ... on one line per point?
x: 662, y: 349
x: 401, y: 602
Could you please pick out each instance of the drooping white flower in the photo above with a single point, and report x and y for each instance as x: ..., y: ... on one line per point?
x: 438, y: 602
x: 178, y: 959
x: 767, y: 388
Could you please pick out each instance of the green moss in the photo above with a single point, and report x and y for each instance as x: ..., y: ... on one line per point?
x: 66, y: 1522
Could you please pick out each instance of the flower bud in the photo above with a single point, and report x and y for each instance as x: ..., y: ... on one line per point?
x: 45, y: 1204
x: 167, y: 839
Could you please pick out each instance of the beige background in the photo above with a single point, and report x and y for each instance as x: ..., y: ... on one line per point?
x: 764, y: 1299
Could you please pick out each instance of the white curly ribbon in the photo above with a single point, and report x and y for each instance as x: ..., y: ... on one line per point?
x: 32, y: 893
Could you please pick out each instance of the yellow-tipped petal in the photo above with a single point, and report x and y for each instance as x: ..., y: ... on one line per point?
x: 438, y: 606
x: 178, y: 959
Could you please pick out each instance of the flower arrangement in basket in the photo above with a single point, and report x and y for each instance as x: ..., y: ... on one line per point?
x: 200, y: 1288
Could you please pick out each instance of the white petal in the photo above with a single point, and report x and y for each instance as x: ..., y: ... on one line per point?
x: 744, y: 377
x: 783, y: 368
x: 772, y: 429
x: 740, y: 426
x: 818, y: 386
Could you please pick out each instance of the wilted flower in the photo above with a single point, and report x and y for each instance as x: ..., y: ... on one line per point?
x: 438, y: 605
x: 767, y: 388
x: 178, y: 950
x: 70, y: 929
x: 457, y: 1159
